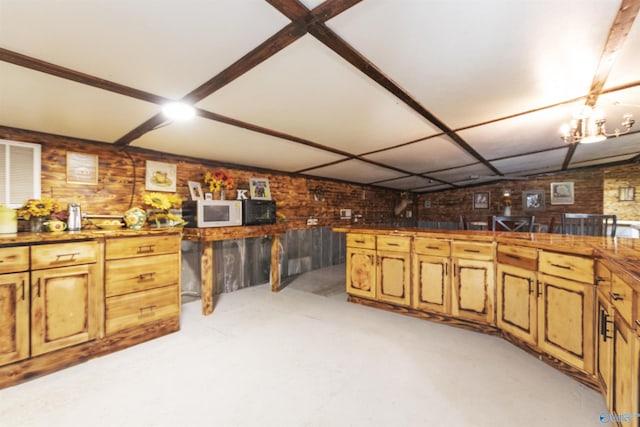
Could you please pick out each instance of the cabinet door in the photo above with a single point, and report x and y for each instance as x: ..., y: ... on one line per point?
x: 604, y: 344
x: 63, y: 308
x: 621, y: 393
x: 14, y: 317
x: 517, y: 308
x: 473, y: 290
x: 394, y: 277
x: 566, y: 321
x: 432, y: 283
x: 361, y: 272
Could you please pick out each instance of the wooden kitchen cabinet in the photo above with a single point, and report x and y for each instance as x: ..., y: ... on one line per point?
x: 621, y: 390
x: 142, y: 281
x: 432, y: 275
x: 394, y: 269
x: 14, y: 304
x: 517, y: 305
x: 604, y: 322
x: 473, y: 296
x: 361, y: 265
x: 64, y: 306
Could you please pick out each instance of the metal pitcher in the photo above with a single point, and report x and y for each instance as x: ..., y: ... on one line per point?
x: 74, y: 222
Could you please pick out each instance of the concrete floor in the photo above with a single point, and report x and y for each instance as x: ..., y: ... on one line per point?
x: 306, y: 357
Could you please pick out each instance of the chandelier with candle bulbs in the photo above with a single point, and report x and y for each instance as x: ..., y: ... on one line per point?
x: 589, y: 127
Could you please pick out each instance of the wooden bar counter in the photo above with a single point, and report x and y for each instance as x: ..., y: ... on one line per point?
x: 206, y: 237
x: 572, y: 301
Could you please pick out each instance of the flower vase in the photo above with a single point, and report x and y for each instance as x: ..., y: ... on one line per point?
x: 135, y: 218
x: 507, y: 211
x: 222, y: 194
x: 36, y: 224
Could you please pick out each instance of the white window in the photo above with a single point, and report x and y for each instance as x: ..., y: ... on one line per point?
x: 19, y: 172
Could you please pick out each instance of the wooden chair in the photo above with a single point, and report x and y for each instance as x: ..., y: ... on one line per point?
x: 513, y: 223
x: 589, y: 224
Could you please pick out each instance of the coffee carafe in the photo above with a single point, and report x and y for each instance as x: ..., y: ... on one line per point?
x: 74, y: 222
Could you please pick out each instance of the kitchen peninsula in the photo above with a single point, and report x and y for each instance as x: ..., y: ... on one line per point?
x: 571, y: 301
x: 66, y: 297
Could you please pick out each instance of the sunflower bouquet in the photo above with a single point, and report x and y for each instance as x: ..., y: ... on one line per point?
x: 218, y: 180
x: 39, y: 208
x: 161, y: 205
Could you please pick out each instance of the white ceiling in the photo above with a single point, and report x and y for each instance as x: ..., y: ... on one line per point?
x: 472, y: 89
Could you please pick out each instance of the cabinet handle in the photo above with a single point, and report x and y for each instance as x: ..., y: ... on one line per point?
x: 38, y: 286
x: 22, y: 290
x: 446, y: 271
x: 530, y: 285
x: 147, y: 311
x: 475, y: 251
x: 600, y: 279
x: 435, y: 248
x: 1, y: 261
x: 538, y: 291
x: 566, y: 267
x: 616, y: 297
x: 392, y: 244
x: 145, y: 249
x: 603, y: 326
x: 512, y: 256
x: 146, y: 276
x: 71, y: 255
x: 359, y: 241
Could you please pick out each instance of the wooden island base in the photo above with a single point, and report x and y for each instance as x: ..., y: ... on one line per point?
x: 47, y: 363
x: 574, y: 373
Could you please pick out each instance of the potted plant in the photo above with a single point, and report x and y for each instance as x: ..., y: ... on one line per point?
x: 37, y: 211
x: 164, y: 209
x: 219, y: 182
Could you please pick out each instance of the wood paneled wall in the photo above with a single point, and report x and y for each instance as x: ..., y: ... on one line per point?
x: 121, y: 183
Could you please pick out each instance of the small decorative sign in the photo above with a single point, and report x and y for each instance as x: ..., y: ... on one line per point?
x: 82, y: 168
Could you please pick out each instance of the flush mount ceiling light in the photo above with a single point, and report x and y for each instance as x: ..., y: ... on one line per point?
x: 589, y: 127
x: 178, y: 111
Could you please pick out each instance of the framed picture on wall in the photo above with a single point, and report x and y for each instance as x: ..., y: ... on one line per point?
x: 481, y: 199
x: 533, y: 201
x: 82, y: 168
x: 259, y: 189
x: 562, y: 193
x: 160, y: 176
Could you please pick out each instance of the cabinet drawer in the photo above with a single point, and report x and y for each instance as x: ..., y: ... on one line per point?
x: 14, y: 260
x: 128, y: 247
x: 365, y: 241
x: 63, y: 254
x: 435, y: 247
x: 568, y: 266
x: 622, y: 298
x: 603, y: 277
x: 394, y: 243
x: 124, y: 276
x: 472, y: 250
x: 518, y: 256
x: 135, y: 309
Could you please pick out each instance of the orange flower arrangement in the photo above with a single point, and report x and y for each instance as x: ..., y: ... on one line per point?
x: 218, y: 180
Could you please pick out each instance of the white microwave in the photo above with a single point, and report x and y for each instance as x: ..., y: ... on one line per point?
x: 212, y: 213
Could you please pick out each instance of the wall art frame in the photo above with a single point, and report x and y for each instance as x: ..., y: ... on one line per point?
x: 626, y: 193
x: 195, y: 190
x: 481, y: 199
x: 534, y: 201
x: 562, y: 193
x: 160, y: 176
x: 259, y: 189
x: 82, y: 168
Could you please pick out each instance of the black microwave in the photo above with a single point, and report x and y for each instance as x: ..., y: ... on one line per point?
x: 258, y: 212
